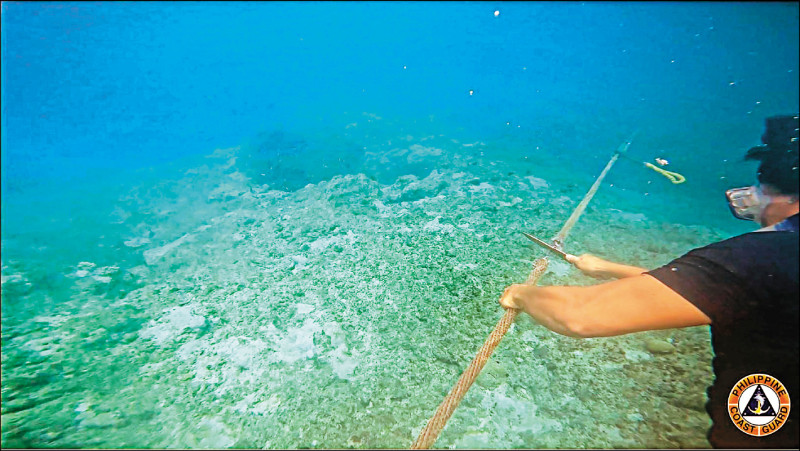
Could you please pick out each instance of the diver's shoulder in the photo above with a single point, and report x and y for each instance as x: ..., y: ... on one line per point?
x: 757, y: 238
x: 761, y: 238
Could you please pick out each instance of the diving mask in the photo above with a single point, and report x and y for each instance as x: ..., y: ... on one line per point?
x: 747, y: 203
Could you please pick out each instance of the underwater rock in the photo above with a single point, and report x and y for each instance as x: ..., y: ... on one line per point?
x: 659, y: 346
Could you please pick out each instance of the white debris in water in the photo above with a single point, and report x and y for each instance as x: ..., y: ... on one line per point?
x: 529, y: 337
x: 175, y: 320
x: 518, y: 416
x: 84, y: 269
x: 513, y: 202
x: 82, y: 407
x: 211, y: 434
x: 482, y: 188
x: 242, y: 405
x: 102, y: 274
x: 537, y: 183
x: 241, y: 352
x: 299, y: 262
x: 190, y: 347
x: 267, y: 406
x: 105, y: 270
x: 637, y: 356
x: 297, y: 343
x: 435, y: 226
x: 153, y: 255
x: 627, y: 216
x: 343, y: 365
x: 323, y: 243
x: 334, y: 330
x: 136, y: 242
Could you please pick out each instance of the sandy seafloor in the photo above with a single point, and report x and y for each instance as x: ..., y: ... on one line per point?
x: 274, y: 296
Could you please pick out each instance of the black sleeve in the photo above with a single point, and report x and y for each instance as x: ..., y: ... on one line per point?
x: 730, y: 279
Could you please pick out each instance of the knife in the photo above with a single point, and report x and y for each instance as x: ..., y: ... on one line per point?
x: 545, y: 245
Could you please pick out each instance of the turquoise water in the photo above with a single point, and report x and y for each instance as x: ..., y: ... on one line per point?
x: 287, y: 225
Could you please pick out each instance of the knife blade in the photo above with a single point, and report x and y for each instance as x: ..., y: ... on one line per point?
x: 547, y: 246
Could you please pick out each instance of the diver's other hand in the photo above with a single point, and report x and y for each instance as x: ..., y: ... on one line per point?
x: 510, y: 297
x: 590, y: 265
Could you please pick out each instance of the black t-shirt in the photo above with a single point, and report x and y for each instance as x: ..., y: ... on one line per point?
x: 748, y: 286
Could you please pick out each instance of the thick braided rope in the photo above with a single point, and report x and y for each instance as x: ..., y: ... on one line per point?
x: 431, y: 432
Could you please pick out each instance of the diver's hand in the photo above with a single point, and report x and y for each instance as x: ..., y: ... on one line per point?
x: 590, y: 265
x: 511, y: 296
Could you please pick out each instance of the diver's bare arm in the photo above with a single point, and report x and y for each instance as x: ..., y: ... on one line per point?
x: 633, y: 304
x: 603, y: 269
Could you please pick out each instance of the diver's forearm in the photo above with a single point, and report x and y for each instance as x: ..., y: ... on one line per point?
x: 552, y: 307
x: 620, y: 271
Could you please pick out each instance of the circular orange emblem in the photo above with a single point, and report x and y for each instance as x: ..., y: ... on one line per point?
x: 758, y: 404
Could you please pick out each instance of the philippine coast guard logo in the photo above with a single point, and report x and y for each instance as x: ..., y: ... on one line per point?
x: 758, y: 404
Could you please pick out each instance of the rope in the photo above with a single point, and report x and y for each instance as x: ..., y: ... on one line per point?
x: 431, y: 432
x: 558, y: 241
x: 437, y: 422
x: 673, y: 177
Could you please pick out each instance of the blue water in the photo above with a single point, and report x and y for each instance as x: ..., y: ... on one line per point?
x: 180, y: 176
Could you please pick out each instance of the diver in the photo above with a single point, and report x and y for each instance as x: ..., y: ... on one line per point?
x: 745, y: 288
